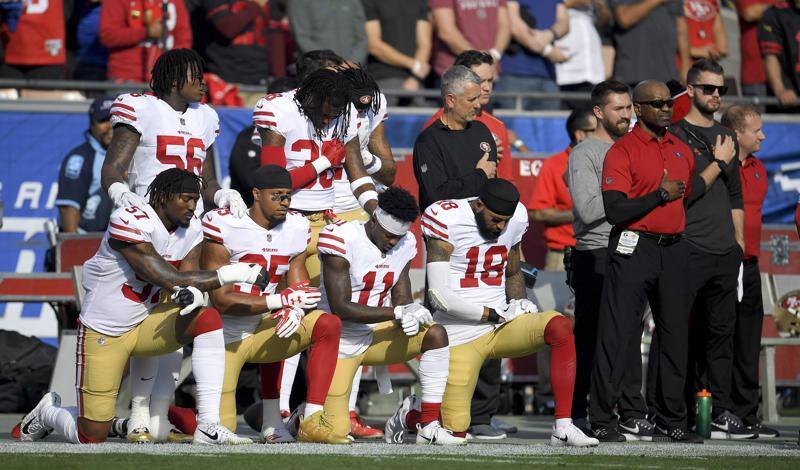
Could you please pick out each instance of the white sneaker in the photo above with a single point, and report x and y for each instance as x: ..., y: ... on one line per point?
x: 276, y: 434
x: 434, y: 434
x: 571, y: 435
x: 217, y: 434
x: 395, y: 431
x: 31, y: 428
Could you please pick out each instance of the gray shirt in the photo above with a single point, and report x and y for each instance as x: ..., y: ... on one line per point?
x: 585, y: 172
x: 337, y: 25
x: 647, y: 50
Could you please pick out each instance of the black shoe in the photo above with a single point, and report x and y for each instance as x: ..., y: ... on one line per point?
x: 729, y: 426
x: 676, y: 435
x: 636, y: 429
x: 759, y: 430
x: 607, y: 435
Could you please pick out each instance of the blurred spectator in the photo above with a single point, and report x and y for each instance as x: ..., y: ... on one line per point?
x: 10, y: 12
x: 464, y: 25
x: 483, y: 65
x: 279, y: 37
x: 648, y: 35
x: 777, y: 36
x: 330, y: 25
x: 582, y: 45
x: 91, y: 59
x: 752, y: 74
x: 37, y: 48
x: 399, y: 42
x: 237, y: 47
x: 529, y: 63
x: 550, y: 203
x: 245, y: 155
x: 707, y: 39
x: 134, y: 33
x: 82, y: 203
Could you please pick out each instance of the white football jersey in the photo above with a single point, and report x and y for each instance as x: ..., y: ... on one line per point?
x: 477, y: 265
x: 367, y: 123
x: 248, y: 242
x: 280, y: 113
x: 117, y: 299
x: 373, y: 274
x: 169, y: 139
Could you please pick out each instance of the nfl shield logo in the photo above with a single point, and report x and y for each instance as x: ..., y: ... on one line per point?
x: 269, y: 237
x: 183, y: 122
x: 678, y: 154
x: 758, y: 177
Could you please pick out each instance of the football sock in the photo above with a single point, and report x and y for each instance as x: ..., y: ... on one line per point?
x: 163, y: 392
x: 143, y: 371
x: 562, y: 422
x: 208, y: 366
x: 354, y: 389
x: 322, y: 356
x: 270, y: 414
x: 185, y: 419
x: 270, y: 376
x: 558, y: 334
x: 310, y: 409
x: 63, y: 420
x: 287, y: 380
x: 433, y: 369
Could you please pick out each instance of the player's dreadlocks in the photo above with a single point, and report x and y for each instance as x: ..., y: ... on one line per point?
x: 399, y: 203
x: 172, y: 182
x: 366, y: 94
x: 312, y: 61
x: 325, y: 87
x: 170, y: 70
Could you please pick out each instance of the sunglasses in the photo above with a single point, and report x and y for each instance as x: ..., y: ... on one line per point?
x: 709, y: 89
x: 281, y: 197
x: 658, y: 104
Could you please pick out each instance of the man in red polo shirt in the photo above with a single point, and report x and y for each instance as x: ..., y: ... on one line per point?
x: 551, y: 203
x: 745, y: 121
x: 482, y: 63
x: 646, y: 177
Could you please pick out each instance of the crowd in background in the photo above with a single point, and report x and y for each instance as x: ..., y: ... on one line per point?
x: 538, y: 45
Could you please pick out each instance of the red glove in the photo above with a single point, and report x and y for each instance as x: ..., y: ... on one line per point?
x: 334, y: 151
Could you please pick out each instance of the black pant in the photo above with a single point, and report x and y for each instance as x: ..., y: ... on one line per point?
x: 486, y: 397
x: 747, y: 345
x: 588, y: 275
x: 654, y: 273
x: 711, y: 296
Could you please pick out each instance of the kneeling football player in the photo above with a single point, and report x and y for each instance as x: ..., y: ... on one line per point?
x: 124, y: 313
x: 365, y: 281
x: 266, y: 326
x: 478, y: 292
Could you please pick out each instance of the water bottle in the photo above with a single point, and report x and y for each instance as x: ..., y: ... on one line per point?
x: 702, y: 402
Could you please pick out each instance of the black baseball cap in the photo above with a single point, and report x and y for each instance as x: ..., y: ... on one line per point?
x: 100, y: 109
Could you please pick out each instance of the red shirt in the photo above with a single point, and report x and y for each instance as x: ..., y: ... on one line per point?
x: 752, y: 67
x: 700, y: 16
x: 550, y: 192
x: 635, y: 165
x: 122, y: 30
x: 40, y: 35
x: 498, y: 129
x: 754, y: 189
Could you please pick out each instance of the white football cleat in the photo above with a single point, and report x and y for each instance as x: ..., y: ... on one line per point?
x: 31, y: 428
x: 395, y: 431
x: 276, y: 434
x: 571, y: 435
x: 434, y: 434
x: 217, y: 434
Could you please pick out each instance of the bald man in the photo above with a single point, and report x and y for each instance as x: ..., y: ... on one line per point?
x: 647, y: 174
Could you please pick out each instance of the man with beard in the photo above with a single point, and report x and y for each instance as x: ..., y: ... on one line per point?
x: 478, y: 293
x: 715, y: 236
x: 611, y: 104
x: 645, y: 178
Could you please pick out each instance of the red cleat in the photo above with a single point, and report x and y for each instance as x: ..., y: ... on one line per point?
x: 361, y: 430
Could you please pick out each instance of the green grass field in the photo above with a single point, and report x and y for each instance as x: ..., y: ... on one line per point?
x: 331, y: 462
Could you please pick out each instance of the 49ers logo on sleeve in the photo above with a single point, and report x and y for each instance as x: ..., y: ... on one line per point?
x: 485, y: 146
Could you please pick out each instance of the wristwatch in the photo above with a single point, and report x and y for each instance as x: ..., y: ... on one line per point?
x: 663, y: 194
x: 721, y: 163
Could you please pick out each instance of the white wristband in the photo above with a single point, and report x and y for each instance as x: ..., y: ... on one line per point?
x: 367, y: 196
x: 416, y: 67
x: 116, y: 190
x: 374, y: 166
x: 547, y: 50
x: 321, y: 164
x: 495, y: 54
x: 361, y: 182
x: 274, y: 302
x: 398, y: 312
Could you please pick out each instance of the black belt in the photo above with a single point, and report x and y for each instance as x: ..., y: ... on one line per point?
x: 663, y: 239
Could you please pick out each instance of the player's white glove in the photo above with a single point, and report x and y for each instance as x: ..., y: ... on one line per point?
x: 122, y: 196
x: 189, y: 298
x: 232, y: 200
x: 300, y: 294
x: 250, y: 273
x: 407, y: 316
x: 512, y: 311
x: 422, y: 314
x: 527, y: 306
x: 289, y: 320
